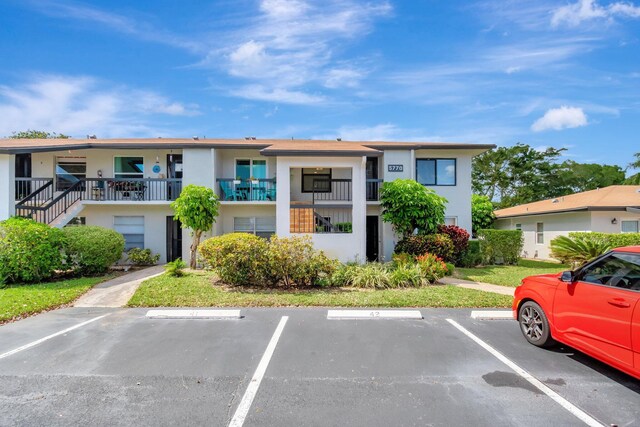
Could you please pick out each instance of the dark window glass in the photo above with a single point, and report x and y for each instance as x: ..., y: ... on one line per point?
x: 128, y: 167
x: 68, y: 173
x: 621, y: 270
x: 436, y: 171
x: 316, y: 180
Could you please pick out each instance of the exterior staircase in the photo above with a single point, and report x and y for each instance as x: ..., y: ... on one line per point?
x: 55, y: 211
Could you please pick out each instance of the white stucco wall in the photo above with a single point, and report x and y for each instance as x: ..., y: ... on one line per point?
x: 345, y: 247
x: 554, y: 225
x: 601, y: 220
x: 7, y: 186
x: 155, y: 234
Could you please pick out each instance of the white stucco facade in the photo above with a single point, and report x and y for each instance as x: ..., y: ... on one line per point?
x: 208, y: 166
x: 561, y: 224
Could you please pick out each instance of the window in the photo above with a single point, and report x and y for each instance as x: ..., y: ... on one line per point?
x: 251, y: 168
x: 518, y: 226
x: 539, y: 233
x: 260, y: 226
x: 451, y: 220
x: 132, y: 229
x: 621, y: 270
x: 629, y: 226
x: 316, y: 180
x: 436, y: 171
x: 78, y: 220
x: 128, y: 167
x: 69, y: 170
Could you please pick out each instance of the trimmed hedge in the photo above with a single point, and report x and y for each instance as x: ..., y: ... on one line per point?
x: 90, y: 249
x: 238, y: 258
x: 29, y: 251
x: 440, y: 245
x: 615, y: 240
x: 472, y: 256
x: 500, y: 245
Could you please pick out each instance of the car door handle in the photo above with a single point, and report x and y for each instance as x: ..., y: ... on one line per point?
x: 619, y: 302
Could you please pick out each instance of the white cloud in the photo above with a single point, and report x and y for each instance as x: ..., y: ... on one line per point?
x: 560, y: 118
x: 78, y: 106
x: 588, y: 10
x: 343, y: 77
x: 285, y: 96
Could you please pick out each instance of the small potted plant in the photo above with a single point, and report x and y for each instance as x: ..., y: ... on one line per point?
x: 254, y: 180
x: 237, y: 181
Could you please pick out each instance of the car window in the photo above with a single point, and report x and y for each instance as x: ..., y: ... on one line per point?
x: 621, y: 270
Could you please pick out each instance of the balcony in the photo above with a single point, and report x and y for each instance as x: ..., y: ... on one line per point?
x: 373, y: 189
x: 247, y: 190
x: 130, y: 189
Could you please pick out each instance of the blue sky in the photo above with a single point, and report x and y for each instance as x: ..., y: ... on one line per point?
x: 547, y: 73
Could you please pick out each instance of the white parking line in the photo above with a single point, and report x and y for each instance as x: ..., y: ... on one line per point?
x: 252, y: 388
x: 193, y: 314
x: 374, y: 314
x: 41, y: 340
x: 492, y: 314
x: 579, y: 413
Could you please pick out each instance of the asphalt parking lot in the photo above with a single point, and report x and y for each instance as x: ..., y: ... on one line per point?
x: 285, y: 367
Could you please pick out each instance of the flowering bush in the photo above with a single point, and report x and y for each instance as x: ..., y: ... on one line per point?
x: 437, y: 244
x: 459, y: 237
x: 432, y: 266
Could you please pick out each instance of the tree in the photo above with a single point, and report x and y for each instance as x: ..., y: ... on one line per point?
x: 409, y: 206
x: 634, y: 179
x: 37, y: 134
x: 197, y: 209
x: 517, y: 174
x: 576, y: 177
x: 481, y: 213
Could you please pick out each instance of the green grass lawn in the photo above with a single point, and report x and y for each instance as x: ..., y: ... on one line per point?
x: 17, y: 301
x: 509, y: 275
x: 198, y: 290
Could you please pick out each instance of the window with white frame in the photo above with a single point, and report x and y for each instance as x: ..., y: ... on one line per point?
x: 128, y: 167
x: 69, y: 170
x: 629, y: 226
x: 132, y: 229
x: 260, y: 226
x: 539, y: 233
x: 451, y: 220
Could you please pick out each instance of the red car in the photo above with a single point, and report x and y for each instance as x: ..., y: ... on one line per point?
x: 594, y: 309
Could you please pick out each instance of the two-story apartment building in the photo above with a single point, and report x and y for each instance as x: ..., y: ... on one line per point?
x: 326, y: 189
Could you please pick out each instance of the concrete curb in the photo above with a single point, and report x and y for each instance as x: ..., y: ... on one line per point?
x: 478, y: 286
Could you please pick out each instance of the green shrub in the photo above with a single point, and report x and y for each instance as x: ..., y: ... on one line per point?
x: 459, y: 237
x: 402, y: 258
x: 432, y: 267
x: 292, y: 261
x: 91, y: 250
x: 29, y: 251
x: 370, y: 275
x: 615, y: 240
x: 238, y: 258
x: 579, y: 249
x: 472, y: 256
x: 343, y: 274
x: 482, y: 215
x: 437, y: 244
x: 175, y: 268
x: 450, y: 269
x: 139, y: 256
x: 407, y: 275
x: 500, y: 246
x: 344, y: 227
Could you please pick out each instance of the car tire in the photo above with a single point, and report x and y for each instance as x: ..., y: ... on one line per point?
x: 534, y: 324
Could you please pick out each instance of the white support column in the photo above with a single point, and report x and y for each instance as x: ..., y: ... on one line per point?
x: 359, y: 212
x: 7, y: 185
x: 283, y: 196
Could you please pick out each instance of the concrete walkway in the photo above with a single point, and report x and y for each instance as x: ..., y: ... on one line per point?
x: 479, y: 286
x: 117, y: 292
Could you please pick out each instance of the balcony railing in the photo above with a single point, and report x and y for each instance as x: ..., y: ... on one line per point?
x: 131, y: 189
x: 26, y: 186
x: 335, y: 190
x: 373, y: 189
x: 248, y: 190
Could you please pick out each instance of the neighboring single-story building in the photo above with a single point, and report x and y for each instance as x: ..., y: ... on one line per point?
x: 614, y: 209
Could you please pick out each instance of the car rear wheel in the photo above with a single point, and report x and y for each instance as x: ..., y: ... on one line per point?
x: 534, y: 324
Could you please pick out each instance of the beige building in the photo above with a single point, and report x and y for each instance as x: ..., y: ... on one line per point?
x: 614, y: 209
